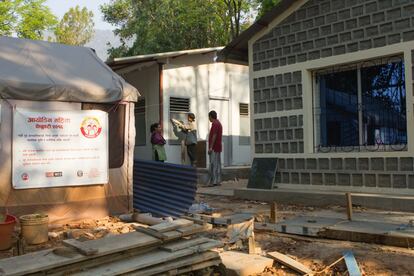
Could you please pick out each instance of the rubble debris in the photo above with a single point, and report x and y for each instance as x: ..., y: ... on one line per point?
x: 240, y: 231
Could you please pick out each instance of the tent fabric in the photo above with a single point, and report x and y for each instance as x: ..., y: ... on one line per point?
x: 44, y: 71
x: 71, y: 203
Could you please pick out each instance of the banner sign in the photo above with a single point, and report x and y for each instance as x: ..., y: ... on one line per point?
x: 59, y: 148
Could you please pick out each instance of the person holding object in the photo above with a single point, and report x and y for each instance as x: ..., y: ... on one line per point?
x: 158, y: 142
x: 190, y: 131
x: 215, y: 148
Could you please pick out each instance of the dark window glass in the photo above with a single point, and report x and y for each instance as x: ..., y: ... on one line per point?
x: 383, y: 99
x: 116, y: 121
x: 339, y: 108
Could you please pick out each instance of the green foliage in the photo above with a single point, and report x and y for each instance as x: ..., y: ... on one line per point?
x: 25, y: 18
x: 76, y: 27
x: 169, y: 25
x: 265, y: 6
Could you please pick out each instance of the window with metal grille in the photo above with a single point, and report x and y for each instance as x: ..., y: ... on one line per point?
x: 361, y: 106
x: 179, y: 108
x: 244, y: 137
x: 140, y: 123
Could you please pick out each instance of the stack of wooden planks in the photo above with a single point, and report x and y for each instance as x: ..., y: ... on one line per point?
x: 169, y: 248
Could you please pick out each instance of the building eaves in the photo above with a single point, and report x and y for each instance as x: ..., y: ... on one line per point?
x: 237, y: 50
x: 126, y: 61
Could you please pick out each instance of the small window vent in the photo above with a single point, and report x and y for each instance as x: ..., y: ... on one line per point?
x: 244, y: 109
x: 179, y: 105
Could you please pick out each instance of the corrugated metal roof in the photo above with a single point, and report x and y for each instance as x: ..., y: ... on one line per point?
x: 157, y: 56
x: 162, y: 188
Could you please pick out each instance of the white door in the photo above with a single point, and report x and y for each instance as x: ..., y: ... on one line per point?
x: 222, y: 109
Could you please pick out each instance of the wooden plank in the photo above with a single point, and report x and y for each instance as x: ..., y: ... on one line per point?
x: 171, y: 235
x: 169, y: 226
x: 351, y: 264
x: 81, y: 247
x: 90, y: 263
x: 194, y: 219
x: 289, y: 262
x: 194, y: 267
x: 182, y: 244
x: 147, y: 231
x: 199, y: 266
x: 186, y: 261
x: 194, y: 229
x: 46, y: 259
x: 143, y: 261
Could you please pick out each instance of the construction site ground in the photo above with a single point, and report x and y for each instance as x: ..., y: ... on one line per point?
x: 317, y: 254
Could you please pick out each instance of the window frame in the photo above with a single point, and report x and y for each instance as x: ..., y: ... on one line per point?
x: 142, y: 110
x: 178, y: 111
x: 316, y: 106
x: 242, y: 141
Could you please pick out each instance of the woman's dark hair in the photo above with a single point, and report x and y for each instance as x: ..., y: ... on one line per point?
x: 154, y: 126
x: 191, y: 115
x: 212, y: 114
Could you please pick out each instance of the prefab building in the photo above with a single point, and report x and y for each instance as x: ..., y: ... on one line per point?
x: 173, y: 84
x: 331, y: 87
x: 55, y: 100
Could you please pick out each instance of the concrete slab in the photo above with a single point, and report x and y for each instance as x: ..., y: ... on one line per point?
x: 336, y: 228
x: 323, y: 198
x: 243, y: 264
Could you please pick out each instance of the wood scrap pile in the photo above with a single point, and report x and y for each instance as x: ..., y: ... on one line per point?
x: 166, y: 248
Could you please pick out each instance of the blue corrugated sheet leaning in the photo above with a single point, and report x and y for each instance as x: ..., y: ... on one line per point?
x: 163, y: 189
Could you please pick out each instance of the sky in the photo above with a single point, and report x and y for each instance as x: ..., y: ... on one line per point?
x: 60, y: 7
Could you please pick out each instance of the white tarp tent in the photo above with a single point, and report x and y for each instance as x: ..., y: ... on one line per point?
x: 39, y: 75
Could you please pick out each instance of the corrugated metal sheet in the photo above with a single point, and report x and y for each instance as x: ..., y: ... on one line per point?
x: 162, y: 188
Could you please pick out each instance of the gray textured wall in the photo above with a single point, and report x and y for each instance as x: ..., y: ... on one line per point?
x: 376, y: 172
x: 323, y: 28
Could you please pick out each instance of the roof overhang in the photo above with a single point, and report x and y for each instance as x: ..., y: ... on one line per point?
x: 124, y: 62
x: 237, y: 51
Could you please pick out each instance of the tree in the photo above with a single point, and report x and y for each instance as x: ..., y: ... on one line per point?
x: 25, y: 18
x: 76, y: 27
x: 265, y: 6
x: 169, y: 25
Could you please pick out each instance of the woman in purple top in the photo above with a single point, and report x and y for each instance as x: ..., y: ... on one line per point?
x: 158, y: 142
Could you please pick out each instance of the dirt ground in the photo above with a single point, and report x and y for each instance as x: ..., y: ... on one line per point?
x: 315, y: 253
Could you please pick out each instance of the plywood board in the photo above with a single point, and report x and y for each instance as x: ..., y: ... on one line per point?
x: 46, y: 259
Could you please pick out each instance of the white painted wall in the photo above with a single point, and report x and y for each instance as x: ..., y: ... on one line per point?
x: 146, y: 80
x: 199, y: 78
